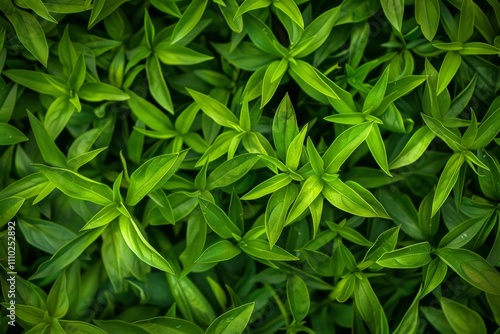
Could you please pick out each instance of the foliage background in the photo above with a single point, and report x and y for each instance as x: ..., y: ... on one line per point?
x: 251, y: 166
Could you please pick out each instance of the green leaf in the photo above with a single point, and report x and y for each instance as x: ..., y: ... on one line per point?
x: 311, y: 188
x: 179, y: 55
x: 140, y: 246
x: 466, y: 22
x: 77, y: 186
x: 369, y: 307
x: 103, y: 217
x: 217, y: 219
x: 488, y: 129
x: 188, y: 20
x: 376, y: 94
x: 276, y: 210
x: 30, y: 34
x: 114, y: 326
x: 149, y: 114
x: 290, y: 9
x: 157, y: 84
x: 427, y: 13
x: 231, y: 170
x: 409, y: 323
x: 218, y: 252
x: 377, y: 148
x: 447, y: 180
x: 67, y: 254
x: 268, y: 187
x: 413, y: 256
x: 80, y: 327
x: 37, y: 81
x: 57, y: 300
x: 294, y: 150
x: 386, y: 242
x: 472, y: 268
x: 344, y: 145
x: 448, y: 69
x: 450, y: 138
x: 102, y: 9
x: 314, y: 158
x: 463, y: 232
x: 10, y: 135
x: 8, y: 208
x: 249, y: 5
x: 489, y: 179
x: 229, y: 13
x: 347, y: 199
x: 272, y: 79
x: 49, y: 150
x: 285, y: 127
x: 319, y: 30
x: 45, y: 235
x: 461, y: 318
x: 233, y: 321
x: 30, y: 314
x: 8, y: 103
x: 260, y: 249
x: 58, y: 116
x: 434, y: 276
x: 393, y: 10
x: 100, y: 91
x: 169, y: 325
x: 311, y: 77
x: 214, y: 109
x: 298, y: 297
x: 77, y: 76
x: 414, y: 148
x: 151, y: 175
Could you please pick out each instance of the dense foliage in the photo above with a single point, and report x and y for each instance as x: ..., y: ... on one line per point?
x: 250, y: 166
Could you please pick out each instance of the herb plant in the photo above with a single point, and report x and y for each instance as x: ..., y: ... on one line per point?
x: 253, y: 166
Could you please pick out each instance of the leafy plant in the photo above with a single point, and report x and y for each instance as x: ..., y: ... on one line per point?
x: 237, y: 166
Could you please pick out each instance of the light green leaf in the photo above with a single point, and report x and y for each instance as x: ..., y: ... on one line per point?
x: 413, y: 256
x: 290, y: 9
x: 188, y: 20
x: 343, y: 146
x: 427, y: 13
x: 67, y: 254
x: 149, y: 114
x: 218, y: 252
x: 233, y: 321
x: 77, y: 186
x: 393, y: 10
x: 140, y: 246
x: 49, y: 150
x: 311, y: 188
x: 30, y: 34
x: 231, y: 170
x: 260, y: 249
x: 276, y: 211
x: 448, y: 69
x: 157, y: 84
x: 169, y: 326
x: 447, y: 180
x: 268, y: 187
x: 10, y: 135
x: 217, y: 219
x: 414, y: 148
x: 298, y: 297
x: 151, y: 175
x: 461, y: 318
x: 57, y: 300
x: 472, y: 268
x: 214, y: 109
